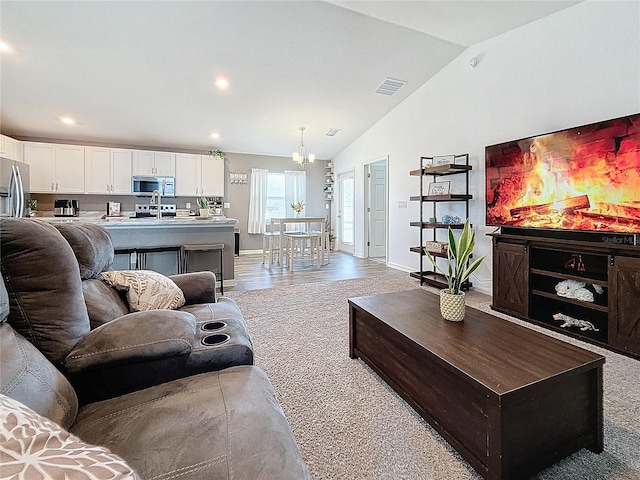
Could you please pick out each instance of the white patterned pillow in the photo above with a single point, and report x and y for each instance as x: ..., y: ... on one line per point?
x: 146, y: 289
x: 32, y: 446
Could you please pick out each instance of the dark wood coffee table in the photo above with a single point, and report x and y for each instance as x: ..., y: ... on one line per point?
x: 510, y: 400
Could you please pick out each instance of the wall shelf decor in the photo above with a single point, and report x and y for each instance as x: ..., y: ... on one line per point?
x: 238, y: 177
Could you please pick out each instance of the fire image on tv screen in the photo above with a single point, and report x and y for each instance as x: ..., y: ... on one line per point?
x: 584, y: 178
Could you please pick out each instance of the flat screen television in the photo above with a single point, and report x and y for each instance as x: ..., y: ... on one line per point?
x: 584, y: 178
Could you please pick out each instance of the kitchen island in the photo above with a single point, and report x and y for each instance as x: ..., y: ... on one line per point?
x: 163, y: 238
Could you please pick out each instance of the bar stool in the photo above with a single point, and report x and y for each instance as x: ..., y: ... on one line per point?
x: 203, y: 247
x: 325, y: 245
x: 270, y: 246
x: 300, y: 240
x: 141, y: 255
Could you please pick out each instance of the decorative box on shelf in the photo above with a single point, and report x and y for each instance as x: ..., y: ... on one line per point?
x: 436, y: 247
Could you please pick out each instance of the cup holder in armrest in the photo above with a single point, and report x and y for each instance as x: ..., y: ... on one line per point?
x: 213, y: 326
x: 215, y: 339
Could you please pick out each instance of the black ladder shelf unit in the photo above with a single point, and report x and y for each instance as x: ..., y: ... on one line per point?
x: 459, y: 166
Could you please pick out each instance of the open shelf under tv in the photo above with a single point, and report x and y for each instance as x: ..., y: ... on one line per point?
x: 528, y: 271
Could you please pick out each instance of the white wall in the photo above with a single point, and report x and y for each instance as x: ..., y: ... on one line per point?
x: 579, y: 66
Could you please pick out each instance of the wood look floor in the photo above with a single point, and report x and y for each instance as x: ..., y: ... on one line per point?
x: 252, y: 274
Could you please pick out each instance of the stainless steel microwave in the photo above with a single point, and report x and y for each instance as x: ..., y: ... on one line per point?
x: 145, y: 185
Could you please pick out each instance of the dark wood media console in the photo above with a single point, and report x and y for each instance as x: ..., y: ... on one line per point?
x: 527, y: 269
x: 510, y: 400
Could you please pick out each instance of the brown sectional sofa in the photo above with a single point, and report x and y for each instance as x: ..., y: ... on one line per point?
x: 150, y: 390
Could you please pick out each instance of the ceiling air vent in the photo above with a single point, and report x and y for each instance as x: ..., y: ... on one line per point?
x: 332, y: 132
x: 389, y: 86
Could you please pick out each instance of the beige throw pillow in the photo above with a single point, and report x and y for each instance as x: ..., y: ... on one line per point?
x: 146, y: 289
x: 32, y: 446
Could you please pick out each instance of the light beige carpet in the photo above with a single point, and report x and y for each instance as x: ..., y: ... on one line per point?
x: 350, y: 425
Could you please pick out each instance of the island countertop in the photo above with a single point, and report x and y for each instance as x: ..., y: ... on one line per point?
x: 132, y: 222
x: 130, y: 234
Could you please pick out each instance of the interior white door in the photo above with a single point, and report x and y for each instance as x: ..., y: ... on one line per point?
x: 377, y: 210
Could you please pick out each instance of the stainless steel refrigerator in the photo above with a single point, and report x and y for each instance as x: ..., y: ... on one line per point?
x: 14, y: 188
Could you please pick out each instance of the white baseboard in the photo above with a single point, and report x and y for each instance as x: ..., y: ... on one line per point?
x: 402, y: 268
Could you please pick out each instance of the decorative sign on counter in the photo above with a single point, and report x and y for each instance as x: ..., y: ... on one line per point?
x: 113, y: 209
x: 238, y: 177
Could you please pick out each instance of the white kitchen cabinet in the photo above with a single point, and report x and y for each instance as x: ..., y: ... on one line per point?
x: 212, y: 178
x: 121, y: 171
x: 69, y: 169
x: 188, y: 172
x: 40, y: 157
x: 11, y: 148
x: 107, y: 171
x: 146, y: 162
x: 55, y: 168
x: 199, y: 175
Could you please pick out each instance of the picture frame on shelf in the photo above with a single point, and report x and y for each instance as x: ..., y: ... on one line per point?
x: 443, y: 160
x: 439, y: 188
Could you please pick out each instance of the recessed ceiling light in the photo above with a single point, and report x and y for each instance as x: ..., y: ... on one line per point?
x: 4, y: 47
x: 222, y: 83
x: 332, y: 132
x: 215, y: 135
x: 68, y: 120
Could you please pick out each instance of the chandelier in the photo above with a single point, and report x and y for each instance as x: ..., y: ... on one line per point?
x: 300, y: 156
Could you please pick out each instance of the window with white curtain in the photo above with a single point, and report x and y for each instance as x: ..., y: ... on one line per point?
x: 272, y: 194
x: 276, y: 206
x: 257, y: 200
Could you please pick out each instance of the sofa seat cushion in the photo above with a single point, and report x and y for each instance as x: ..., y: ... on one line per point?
x: 217, y: 425
x: 32, y: 446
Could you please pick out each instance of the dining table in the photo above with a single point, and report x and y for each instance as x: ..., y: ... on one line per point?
x: 278, y: 224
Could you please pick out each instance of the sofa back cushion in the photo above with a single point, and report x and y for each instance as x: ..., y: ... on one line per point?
x: 27, y: 376
x: 104, y: 303
x: 45, y: 290
x: 91, y: 244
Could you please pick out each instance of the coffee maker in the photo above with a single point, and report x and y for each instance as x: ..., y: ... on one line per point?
x: 65, y: 208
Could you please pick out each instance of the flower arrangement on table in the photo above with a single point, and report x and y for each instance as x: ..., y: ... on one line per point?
x: 298, y: 207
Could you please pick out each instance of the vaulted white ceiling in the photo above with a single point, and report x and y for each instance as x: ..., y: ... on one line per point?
x: 142, y: 73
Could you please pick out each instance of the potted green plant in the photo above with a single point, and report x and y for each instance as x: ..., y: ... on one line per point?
x: 452, y: 300
x: 216, y: 153
x: 330, y: 235
x: 203, y: 204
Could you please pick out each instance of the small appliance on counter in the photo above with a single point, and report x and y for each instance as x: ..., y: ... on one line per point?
x: 215, y: 206
x: 145, y: 210
x: 113, y: 209
x: 66, y: 208
x: 145, y: 185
